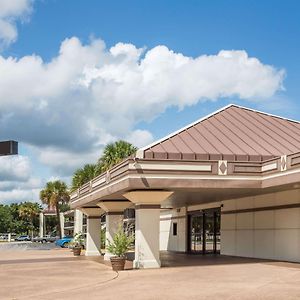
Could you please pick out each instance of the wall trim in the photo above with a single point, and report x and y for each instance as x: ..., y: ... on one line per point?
x: 172, y: 218
x: 171, y: 167
x: 147, y: 206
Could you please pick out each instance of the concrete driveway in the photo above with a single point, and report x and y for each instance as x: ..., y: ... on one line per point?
x: 56, y: 274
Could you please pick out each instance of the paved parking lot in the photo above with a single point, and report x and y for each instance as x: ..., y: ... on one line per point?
x: 56, y: 274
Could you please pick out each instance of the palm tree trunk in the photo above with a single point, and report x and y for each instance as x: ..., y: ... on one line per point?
x: 58, y: 221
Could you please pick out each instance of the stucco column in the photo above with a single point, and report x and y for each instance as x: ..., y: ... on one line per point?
x: 78, y: 221
x: 113, y: 222
x: 147, y: 236
x: 93, y: 240
x: 41, y: 229
x: 114, y: 219
x: 147, y: 221
x: 62, y: 224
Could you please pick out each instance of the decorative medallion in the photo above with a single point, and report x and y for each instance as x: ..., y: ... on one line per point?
x: 222, y: 167
x: 283, y: 163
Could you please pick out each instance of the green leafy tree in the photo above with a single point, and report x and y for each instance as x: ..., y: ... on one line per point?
x: 55, y: 194
x: 5, y: 219
x: 113, y: 154
x: 83, y: 175
x: 29, y: 213
x: 17, y: 225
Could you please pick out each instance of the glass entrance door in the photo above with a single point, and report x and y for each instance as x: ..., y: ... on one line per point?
x: 196, y: 237
x: 204, y: 231
x: 209, y: 232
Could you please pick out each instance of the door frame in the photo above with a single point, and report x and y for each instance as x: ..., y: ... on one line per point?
x: 216, y: 211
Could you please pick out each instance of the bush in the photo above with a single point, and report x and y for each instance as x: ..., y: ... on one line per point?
x: 120, y: 244
x: 77, y: 241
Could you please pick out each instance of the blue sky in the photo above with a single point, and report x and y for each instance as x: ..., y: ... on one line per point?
x: 266, y: 30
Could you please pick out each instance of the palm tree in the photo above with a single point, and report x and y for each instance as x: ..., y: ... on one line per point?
x: 55, y: 194
x: 29, y: 211
x: 83, y: 175
x: 114, y: 153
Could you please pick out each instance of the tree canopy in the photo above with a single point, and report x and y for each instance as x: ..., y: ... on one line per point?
x: 113, y: 154
x: 83, y: 175
x: 54, y: 195
x: 19, y: 218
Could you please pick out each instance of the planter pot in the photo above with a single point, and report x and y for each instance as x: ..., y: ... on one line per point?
x: 76, y: 251
x: 117, y: 263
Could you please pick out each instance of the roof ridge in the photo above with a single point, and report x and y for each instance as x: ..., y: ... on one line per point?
x: 265, y: 113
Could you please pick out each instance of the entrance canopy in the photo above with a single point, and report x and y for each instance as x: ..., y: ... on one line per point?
x: 233, y: 152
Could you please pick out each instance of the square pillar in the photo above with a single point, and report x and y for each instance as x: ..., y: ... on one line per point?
x: 147, y: 222
x: 113, y: 222
x: 147, y: 219
x: 62, y: 224
x: 78, y: 221
x: 114, y: 219
x: 93, y: 241
x: 41, y: 227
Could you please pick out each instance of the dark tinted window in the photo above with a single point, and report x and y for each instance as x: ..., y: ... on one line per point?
x: 174, y: 228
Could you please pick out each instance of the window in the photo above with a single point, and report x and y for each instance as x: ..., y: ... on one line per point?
x: 174, y: 228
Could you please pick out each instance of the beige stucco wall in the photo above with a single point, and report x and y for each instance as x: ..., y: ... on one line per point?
x: 167, y: 240
x: 271, y: 234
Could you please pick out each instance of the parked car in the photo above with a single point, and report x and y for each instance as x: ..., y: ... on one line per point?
x: 64, y: 242
x: 45, y: 239
x: 23, y: 238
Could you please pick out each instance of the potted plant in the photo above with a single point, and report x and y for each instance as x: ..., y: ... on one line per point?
x: 118, y: 247
x: 77, y: 243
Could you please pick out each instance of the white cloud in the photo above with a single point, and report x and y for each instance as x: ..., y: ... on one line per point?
x: 10, y: 12
x: 16, y: 181
x: 14, y: 168
x: 140, y: 138
x: 19, y: 195
x: 64, y: 162
x: 88, y: 95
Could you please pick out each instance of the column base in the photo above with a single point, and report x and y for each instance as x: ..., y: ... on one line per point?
x: 146, y: 264
x: 92, y: 253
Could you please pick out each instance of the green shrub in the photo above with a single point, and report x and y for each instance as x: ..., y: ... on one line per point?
x: 77, y: 241
x: 120, y: 244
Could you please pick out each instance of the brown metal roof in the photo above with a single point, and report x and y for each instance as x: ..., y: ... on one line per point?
x: 232, y: 133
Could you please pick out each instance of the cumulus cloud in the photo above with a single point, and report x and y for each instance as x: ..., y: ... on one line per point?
x: 139, y: 138
x: 14, y: 168
x: 64, y: 162
x: 88, y: 95
x: 16, y: 181
x: 10, y: 12
x: 19, y: 195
